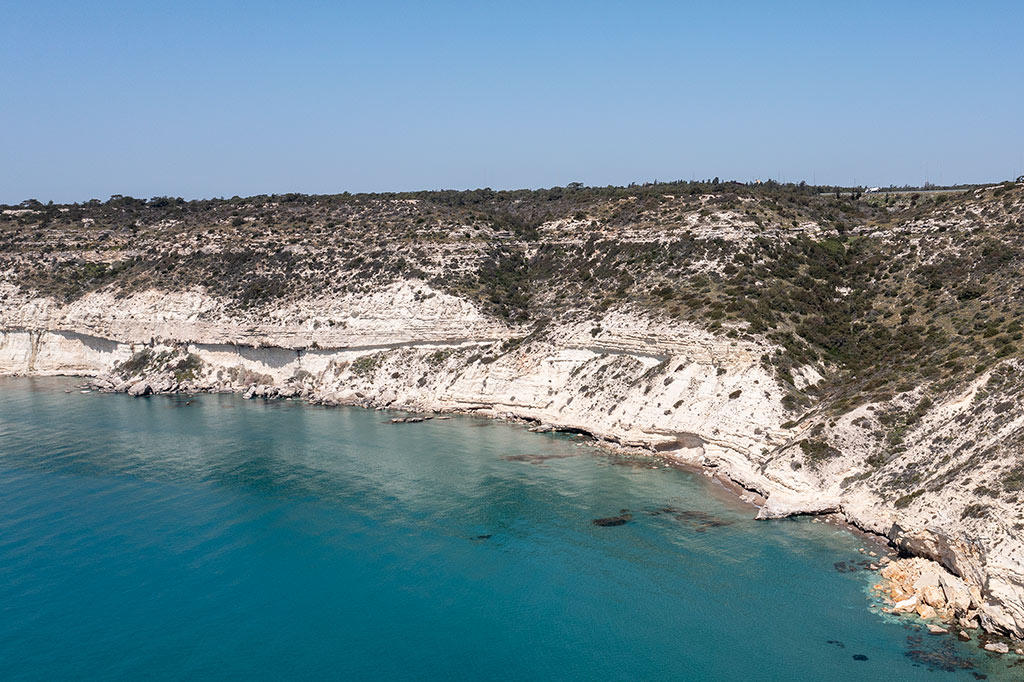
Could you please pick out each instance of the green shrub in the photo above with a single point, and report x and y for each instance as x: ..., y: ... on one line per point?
x: 366, y: 365
x: 136, y: 363
x: 817, y: 451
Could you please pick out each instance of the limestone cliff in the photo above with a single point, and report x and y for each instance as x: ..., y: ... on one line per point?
x: 785, y: 355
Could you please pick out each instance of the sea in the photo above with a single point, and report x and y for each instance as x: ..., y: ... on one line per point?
x: 207, y: 537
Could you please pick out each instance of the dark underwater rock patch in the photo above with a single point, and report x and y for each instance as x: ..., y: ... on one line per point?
x: 860, y: 657
x: 537, y: 459
x: 937, y: 655
x: 621, y: 520
x: 634, y: 463
x: 409, y: 420
x: 852, y: 566
x: 699, y: 521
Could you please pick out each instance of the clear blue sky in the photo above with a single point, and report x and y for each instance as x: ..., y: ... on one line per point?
x: 202, y: 99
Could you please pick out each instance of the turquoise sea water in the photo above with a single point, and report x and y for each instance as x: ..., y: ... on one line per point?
x: 223, y: 539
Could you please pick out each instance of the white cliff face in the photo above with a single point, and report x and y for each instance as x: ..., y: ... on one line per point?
x: 675, y: 388
x: 405, y: 312
x: 634, y: 381
x: 58, y: 352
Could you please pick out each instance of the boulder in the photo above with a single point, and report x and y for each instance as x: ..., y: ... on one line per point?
x: 936, y: 630
x: 165, y: 385
x: 929, y: 585
x: 933, y: 596
x: 998, y: 647
x: 345, y: 397
x: 905, y: 605
x: 140, y: 388
x: 956, y: 592
x: 970, y: 623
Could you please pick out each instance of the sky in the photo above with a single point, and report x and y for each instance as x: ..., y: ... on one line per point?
x: 208, y: 99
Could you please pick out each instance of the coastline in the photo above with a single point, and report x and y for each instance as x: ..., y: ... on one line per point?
x: 314, y: 454
x: 643, y: 384
x: 875, y: 543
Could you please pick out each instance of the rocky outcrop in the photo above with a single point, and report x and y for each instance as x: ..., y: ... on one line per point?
x: 140, y: 388
x: 918, y: 585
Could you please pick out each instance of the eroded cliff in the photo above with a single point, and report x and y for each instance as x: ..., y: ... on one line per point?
x: 828, y: 356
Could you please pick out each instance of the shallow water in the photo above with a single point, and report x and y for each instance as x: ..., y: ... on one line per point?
x: 240, y: 540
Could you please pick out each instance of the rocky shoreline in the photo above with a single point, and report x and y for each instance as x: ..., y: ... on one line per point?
x: 908, y: 585
x: 696, y: 398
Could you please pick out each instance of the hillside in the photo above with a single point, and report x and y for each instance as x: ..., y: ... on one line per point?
x: 828, y: 351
